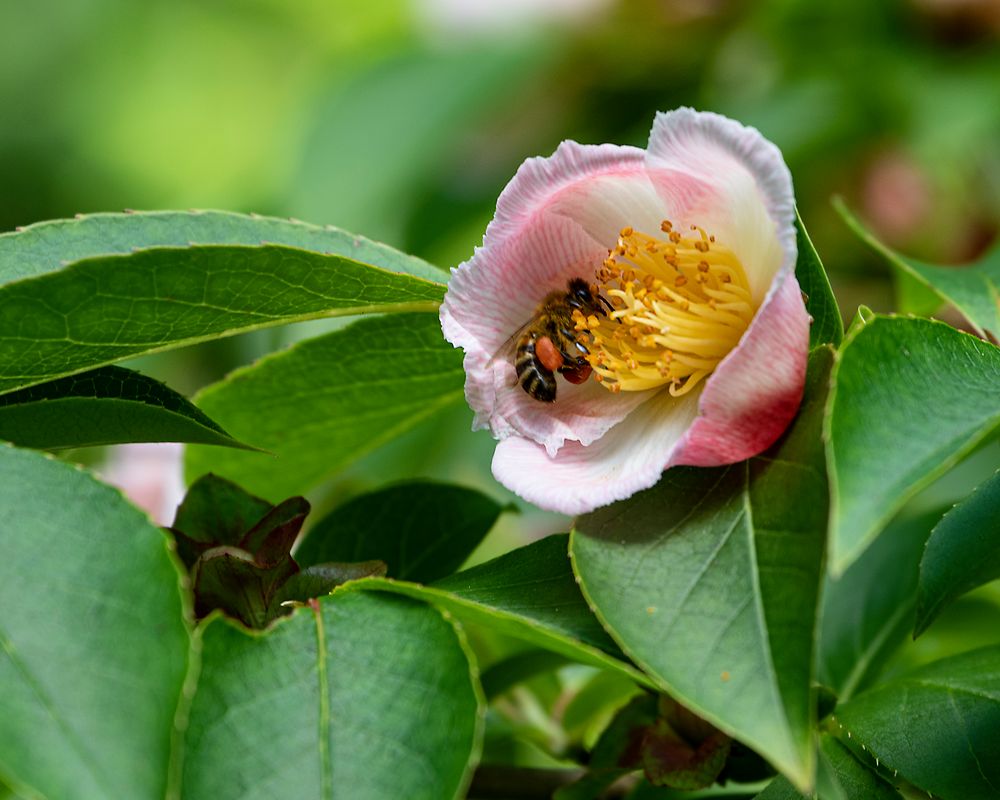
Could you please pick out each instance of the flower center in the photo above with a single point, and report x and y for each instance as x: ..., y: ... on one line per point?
x: 680, y: 305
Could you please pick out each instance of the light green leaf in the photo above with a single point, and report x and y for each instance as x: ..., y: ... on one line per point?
x: 422, y: 530
x: 938, y: 726
x: 827, y: 325
x: 974, y: 289
x: 709, y: 582
x: 962, y: 553
x: 107, y: 308
x: 868, y: 611
x: 355, y: 696
x: 529, y: 594
x: 93, y: 644
x: 48, y: 246
x: 910, y: 398
x: 327, y: 401
x: 108, y: 405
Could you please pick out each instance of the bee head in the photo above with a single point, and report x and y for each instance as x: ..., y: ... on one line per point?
x: 580, y: 295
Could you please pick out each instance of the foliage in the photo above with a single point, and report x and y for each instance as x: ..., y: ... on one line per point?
x: 259, y: 661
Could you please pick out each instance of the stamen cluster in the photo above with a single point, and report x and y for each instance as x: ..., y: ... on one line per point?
x: 681, y: 304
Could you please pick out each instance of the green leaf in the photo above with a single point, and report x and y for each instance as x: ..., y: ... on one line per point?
x: 49, y: 246
x: 93, y: 643
x: 327, y: 401
x: 422, y: 530
x: 840, y: 776
x: 868, y: 611
x: 109, y: 405
x: 962, y: 553
x: 827, y: 325
x: 910, y: 398
x: 529, y: 594
x: 108, y: 308
x: 938, y: 727
x: 358, y: 695
x: 708, y: 581
x: 974, y: 289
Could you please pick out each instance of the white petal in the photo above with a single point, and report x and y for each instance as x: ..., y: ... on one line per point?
x: 628, y: 458
x: 714, y: 172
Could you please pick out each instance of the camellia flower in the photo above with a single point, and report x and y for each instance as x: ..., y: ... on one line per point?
x: 697, y: 337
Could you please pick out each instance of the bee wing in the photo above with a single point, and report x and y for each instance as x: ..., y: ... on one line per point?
x: 506, y: 351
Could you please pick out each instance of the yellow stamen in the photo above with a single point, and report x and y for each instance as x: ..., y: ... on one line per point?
x: 681, y: 304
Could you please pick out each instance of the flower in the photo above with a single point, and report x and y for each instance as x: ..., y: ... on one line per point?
x: 701, y: 358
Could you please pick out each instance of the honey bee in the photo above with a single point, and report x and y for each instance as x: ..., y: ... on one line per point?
x: 549, y: 343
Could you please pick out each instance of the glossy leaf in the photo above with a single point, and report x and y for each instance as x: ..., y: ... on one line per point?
x: 49, y: 246
x: 327, y: 401
x: 356, y: 695
x: 962, y: 553
x: 109, y: 308
x: 109, y: 405
x: 93, y: 643
x: 422, y: 530
x: 529, y: 594
x: 938, y: 726
x: 868, y: 611
x: 974, y: 289
x: 827, y: 325
x: 708, y: 581
x: 910, y: 398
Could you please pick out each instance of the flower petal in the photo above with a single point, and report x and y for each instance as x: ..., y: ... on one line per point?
x: 756, y: 390
x: 628, y: 458
x: 714, y: 172
x: 534, y: 246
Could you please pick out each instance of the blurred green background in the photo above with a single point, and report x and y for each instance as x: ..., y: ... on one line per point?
x: 403, y: 119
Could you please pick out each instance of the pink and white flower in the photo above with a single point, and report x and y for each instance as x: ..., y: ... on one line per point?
x: 703, y: 359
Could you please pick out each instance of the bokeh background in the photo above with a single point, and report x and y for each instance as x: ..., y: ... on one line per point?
x: 403, y: 119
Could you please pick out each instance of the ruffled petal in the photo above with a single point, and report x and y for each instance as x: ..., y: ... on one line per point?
x: 714, y: 172
x: 756, y: 390
x: 628, y: 458
x: 534, y: 245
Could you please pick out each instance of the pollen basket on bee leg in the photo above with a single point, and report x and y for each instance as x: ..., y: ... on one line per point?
x: 680, y: 305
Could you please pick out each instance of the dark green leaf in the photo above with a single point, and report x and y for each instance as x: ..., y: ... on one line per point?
x: 910, y: 398
x: 617, y: 752
x: 962, y: 553
x: 219, y: 511
x: 325, y: 402
x: 109, y: 308
x: 321, y: 579
x: 868, y: 611
x: 93, y: 643
x: 228, y: 578
x: 503, y: 675
x: 422, y: 530
x: 49, y: 246
x: 938, y: 727
x: 840, y: 776
x: 974, y: 289
x: 109, y: 405
x: 271, y: 539
x: 358, y: 695
x: 709, y: 582
x: 529, y: 594
x: 827, y: 325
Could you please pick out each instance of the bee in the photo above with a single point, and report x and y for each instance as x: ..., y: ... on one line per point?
x: 549, y: 343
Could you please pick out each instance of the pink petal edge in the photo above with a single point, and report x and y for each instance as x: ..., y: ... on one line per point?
x: 756, y: 390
